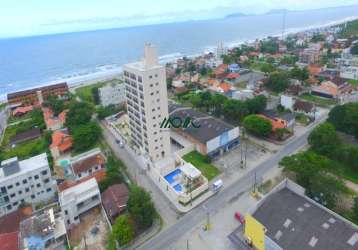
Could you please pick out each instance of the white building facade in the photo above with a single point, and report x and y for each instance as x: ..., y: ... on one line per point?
x: 112, y: 94
x: 27, y: 181
x: 78, y: 199
x: 147, y: 105
x: 348, y: 66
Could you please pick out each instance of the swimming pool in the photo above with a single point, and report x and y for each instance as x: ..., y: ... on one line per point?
x: 170, y: 178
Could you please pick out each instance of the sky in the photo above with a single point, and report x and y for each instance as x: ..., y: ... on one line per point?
x: 37, y: 17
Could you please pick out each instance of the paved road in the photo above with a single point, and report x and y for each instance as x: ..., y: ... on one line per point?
x: 164, y: 239
x: 162, y: 204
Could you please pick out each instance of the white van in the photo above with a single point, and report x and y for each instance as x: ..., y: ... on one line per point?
x: 217, y: 185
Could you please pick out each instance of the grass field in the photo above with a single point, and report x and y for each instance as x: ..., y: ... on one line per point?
x: 85, y: 92
x: 353, y: 82
x: 207, y: 169
x: 318, y: 100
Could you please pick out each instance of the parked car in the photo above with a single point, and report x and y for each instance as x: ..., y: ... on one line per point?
x: 217, y: 185
x: 240, y: 217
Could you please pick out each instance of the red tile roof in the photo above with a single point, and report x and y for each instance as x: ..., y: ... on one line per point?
x: 98, y: 175
x: 9, y: 241
x: 62, y: 140
x: 51, y: 120
x: 233, y: 75
x: 10, y: 222
x: 114, y: 200
x: 22, y: 110
x: 88, y: 163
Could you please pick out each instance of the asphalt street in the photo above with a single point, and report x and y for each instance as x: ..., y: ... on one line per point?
x: 164, y: 239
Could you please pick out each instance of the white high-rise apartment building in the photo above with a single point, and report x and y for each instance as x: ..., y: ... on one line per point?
x: 147, y: 104
x: 27, y: 181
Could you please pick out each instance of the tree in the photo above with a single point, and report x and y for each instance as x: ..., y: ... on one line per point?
x: 257, y: 125
x: 317, y: 37
x: 218, y: 102
x: 355, y: 209
x: 305, y: 165
x: 234, y: 109
x: 269, y: 47
x: 79, y: 113
x: 324, y: 140
x: 95, y: 95
x: 300, y: 74
x: 140, y: 207
x: 354, y: 49
x: 278, y: 82
x: 113, y: 173
x: 37, y: 118
x: 203, y: 71
x: 345, y: 118
x: 123, y: 230
x: 86, y: 136
x: 257, y: 104
x: 103, y: 112
x: 55, y: 104
x: 267, y: 68
x: 327, y: 188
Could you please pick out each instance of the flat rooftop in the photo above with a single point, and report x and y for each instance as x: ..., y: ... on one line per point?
x: 294, y: 222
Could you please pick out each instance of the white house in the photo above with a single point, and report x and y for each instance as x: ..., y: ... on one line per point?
x: 112, y: 94
x: 27, y: 181
x: 77, y: 199
x: 287, y: 102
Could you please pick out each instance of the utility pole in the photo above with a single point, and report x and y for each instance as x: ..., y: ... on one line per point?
x: 187, y: 244
x: 283, y: 23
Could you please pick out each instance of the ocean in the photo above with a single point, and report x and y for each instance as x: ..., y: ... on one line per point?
x: 73, y: 57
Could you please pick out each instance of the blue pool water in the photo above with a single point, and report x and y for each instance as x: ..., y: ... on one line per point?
x: 170, y: 177
x: 178, y: 187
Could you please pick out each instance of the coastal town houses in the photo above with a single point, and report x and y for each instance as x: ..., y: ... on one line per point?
x: 114, y: 200
x: 78, y: 198
x: 45, y: 229
x: 87, y: 163
x: 37, y: 96
x: 61, y: 143
x: 54, y: 122
x: 348, y: 65
x: 26, y: 181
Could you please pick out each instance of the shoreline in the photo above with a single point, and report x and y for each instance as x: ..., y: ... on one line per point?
x: 115, y: 71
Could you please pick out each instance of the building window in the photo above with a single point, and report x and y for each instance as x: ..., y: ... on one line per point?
x: 36, y: 177
x: 38, y: 185
x: 47, y: 180
x: 48, y: 190
x: 150, y: 77
x: 9, y: 187
x: 66, y: 212
x: 151, y: 85
x: 33, y: 196
x: 15, y: 203
x: 157, y: 83
x: 8, y: 207
x: 20, y: 192
x: 17, y: 184
x: 44, y: 172
x: 156, y: 75
x: 12, y: 195
x: 27, y: 190
x: 24, y: 181
x: 68, y: 222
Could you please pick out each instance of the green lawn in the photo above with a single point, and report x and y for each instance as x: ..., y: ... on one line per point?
x: 25, y: 150
x: 85, y: 92
x: 353, y: 82
x: 318, y: 100
x: 13, y: 119
x: 302, y: 119
x: 198, y: 160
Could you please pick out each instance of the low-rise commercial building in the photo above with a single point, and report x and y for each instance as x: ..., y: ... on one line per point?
x: 212, y: 138
x: 26, y: 181
x: 78, y: 199
x: 112, y: 94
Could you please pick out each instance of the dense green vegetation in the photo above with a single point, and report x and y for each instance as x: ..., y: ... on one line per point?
x: 114, y: 168
x: 80, y: 113
x: 345, y: 118
x: 257, y: 125
x: 55, y: 104
x: 354, y: 49
x: 300, y: 74
x: 278, y: 82
x: 349, y: 29
x: 86, y: 136
x: 217, y: 104
x: 312, y: 172
x: 269, y: 46
x: 141, y: 207
x: 202, y: 163
x: 122, y: 231
x: 103, y: 112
